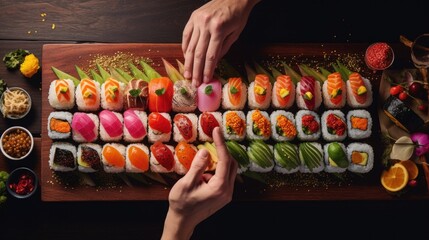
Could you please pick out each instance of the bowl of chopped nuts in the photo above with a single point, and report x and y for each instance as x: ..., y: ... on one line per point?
x: 15, y: 103
x: 16, y: 143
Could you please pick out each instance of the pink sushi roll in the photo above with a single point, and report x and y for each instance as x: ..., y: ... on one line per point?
x: 209, y: 96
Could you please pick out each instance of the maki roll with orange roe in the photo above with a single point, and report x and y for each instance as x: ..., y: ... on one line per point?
x: 258, y: 125
x: 234, y: 125
x: 283, y: 126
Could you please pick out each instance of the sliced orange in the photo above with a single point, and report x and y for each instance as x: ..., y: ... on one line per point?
x: 411, y: 166
x: 395, y: 178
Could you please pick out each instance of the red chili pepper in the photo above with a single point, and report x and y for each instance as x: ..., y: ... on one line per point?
x: 24, y: 185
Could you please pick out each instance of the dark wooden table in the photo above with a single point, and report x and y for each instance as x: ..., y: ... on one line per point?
x: 29, y: 25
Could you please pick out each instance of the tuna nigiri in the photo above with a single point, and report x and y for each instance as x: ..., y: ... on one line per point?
x: 136, y: 95
x: 161, y: 158
x: 137, y: 158
x: 185, y: 127
x: 88, y: 95
x: 334, y: 91
x: 62, y: 94
x: 159, y: 127
x: 160, y: 94
x: 209, y: 96
x: 184, y: 153
x: 234, y: 94
x: 283, y: 92
x: 259, y: 94
x: 112, y: 95
x: 359, y: 91
x: 308, y: 94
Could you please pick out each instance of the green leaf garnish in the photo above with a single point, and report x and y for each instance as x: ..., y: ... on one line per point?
x: 208, y: 90
x: 233, y: 90
x: 62, y: 75
x: 160, y: 91
x: 135, y: 92
x: 183, y: 91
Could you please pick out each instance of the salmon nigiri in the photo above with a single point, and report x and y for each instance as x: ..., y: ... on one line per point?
x: 234, y: 94
x: 137, y: 158
x: 334, y: 91
x: 61, y: 94
x: 283, y: 92
x: 359, y: 91
x: 88, y: 95
x: 184, y: 154
x: 113, y: 157
x: 112, y: 95
x: 160, y: 94
x: 260, y: 92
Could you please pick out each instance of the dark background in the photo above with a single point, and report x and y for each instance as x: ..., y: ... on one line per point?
x: 21, y: 25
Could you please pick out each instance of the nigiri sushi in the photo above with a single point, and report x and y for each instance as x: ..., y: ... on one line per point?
x: 308, y: 93
x: 85, y: 127
x: 234, y: 125
x: 112, y: 95
x: 185, y: 127
x: 206, y: 123
x: 161, y: 157
x: 334, y: 91
x: 61, y: 94
x: 89, y: 157
x: 88, y: 95
x: 136, y: 95
x: 184, y: 97
x: 111, y: 126
x: 259, y: 94
x: 135, y: 125
x: 209, y: 96
x: 137, y: 158
x: 359, y: 91
x: 113, y: 157
x: 283, y: 95
x: 234, y: 94
x: 160, y: 94
x: 184, y: 153
x: 159, y: 127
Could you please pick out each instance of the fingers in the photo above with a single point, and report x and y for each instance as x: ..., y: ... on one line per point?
x: 198, y: 166
x: 189, y: 53
x: 199, y: 57
x: 212, y: 58
x: 223, y: 164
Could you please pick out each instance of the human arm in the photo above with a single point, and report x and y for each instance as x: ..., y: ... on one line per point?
x: 198, y: 194
x: 209, y: 33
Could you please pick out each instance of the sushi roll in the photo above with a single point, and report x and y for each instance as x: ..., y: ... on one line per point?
x: 361, y: 157
x: 307, y: 125
x: 359, y: 91
x: 160, y: 94
x: 335, y: 156
x: 113, y: 157
x: 112, y: 95
x: 161, y: 158
x: 136, y: 95
x: 184, y: 97
x: 159, y: 127
x: 135, y: 125
x: 111, y: 126
x: 259, y: 94
x: 234, y: 94
x: 61, y: 94
x: 59, y: 125
x: 88, y: 95
x: 334, y: 91
x: 283, y: 126
x: 89, y: 157
x: 239, y: 153
x: 137, y: 158
x: 206, y: 123
x: 185, y: 127
x: 209, y: 96
x: 359, y: 124
x: 334, y: 126
x: 258, y: 125
x: 85, y: 127
x: 234, y: 125
x: 311, y: 156
x: 308, y: 93
x: 286, y: 158
x: 261, y: 156
x: 184, y: 153
x: 283, y: 95
x: 62, y: 157
x: 402, y: 115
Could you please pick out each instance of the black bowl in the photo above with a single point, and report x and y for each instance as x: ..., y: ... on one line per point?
x: 24, y: 189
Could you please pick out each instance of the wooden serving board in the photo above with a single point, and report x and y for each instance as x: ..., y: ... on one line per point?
x: 299, y: 187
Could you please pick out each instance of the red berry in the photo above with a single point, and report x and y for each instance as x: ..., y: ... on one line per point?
x: 396, y: 90
x: 403, y: 96
x: 422, y: 107
x: 412, y: 183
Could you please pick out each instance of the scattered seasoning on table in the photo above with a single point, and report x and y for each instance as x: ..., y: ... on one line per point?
x: 24, y: 186
x: 379, y: 56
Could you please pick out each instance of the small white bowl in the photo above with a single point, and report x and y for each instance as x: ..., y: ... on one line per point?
x: 11, y: 129
x: 16, y: 116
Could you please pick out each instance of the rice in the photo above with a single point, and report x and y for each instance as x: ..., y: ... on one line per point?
x: 327, y: 96
x: 63, y: 116
x: 113, y: 106
x: 128, y: 123
x: 305, y: 134
x: 232, y: 127
x: 226, y: 103
x: 263, y: 126
x: 62, y: 157
x: 77, y: 135
x: 252, y: 101
x: 202, y: 136
x: 334, y: 131
x: 155, y: 135
x: 91, y: 161
x: 61, y: 105
x: 142, y: 161
x: 286, y: 132
x: 155, y: 166
x: 177, y: 135
x: 358, y: 131
x: 360, y: 148
x: 328, y: 166
x: 117, y: 166
x: 351, y: 100
x: 300, y: 102
x: 80, y: 102
x: 104, y: 136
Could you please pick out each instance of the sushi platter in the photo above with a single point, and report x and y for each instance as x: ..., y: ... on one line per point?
x: 294, y: 140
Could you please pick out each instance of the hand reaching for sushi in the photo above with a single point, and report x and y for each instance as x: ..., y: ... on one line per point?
x: 198, y: 194
x: 209, y: 33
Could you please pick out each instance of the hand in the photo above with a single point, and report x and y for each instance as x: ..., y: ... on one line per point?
x: 198, y: 195
x: 209, y: 33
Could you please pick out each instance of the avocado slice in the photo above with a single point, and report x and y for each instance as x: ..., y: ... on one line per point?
x: 337, y: 155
